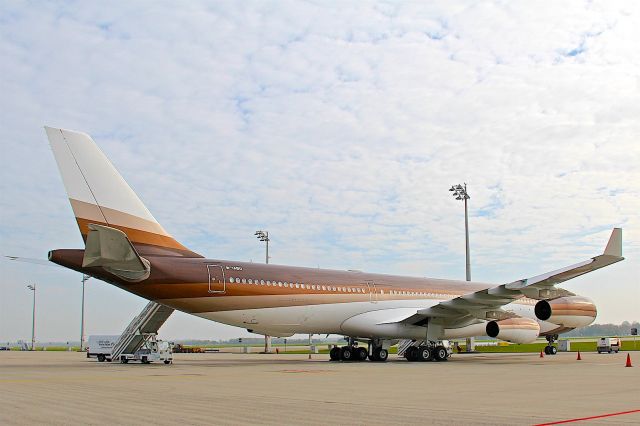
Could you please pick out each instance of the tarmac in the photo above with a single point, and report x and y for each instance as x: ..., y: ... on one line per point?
x: 219, y: 388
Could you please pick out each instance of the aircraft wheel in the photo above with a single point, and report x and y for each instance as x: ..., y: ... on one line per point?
x: 381, y: 355
x: 346, y: 353
x: 334, y: 354
x: 440, y: 353
x: 412, y: 354
x: 424, y: 353
x: 101, y: 358
x: 553, y: 350
x: 546, y: 350
x: 361, y: 354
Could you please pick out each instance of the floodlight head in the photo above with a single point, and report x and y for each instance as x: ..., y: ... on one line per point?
x: 31, y: 287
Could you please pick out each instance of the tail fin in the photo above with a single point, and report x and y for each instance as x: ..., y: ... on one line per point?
x: 99, y: 195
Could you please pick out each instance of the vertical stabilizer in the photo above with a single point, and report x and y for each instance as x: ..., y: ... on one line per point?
x: 99, y: 195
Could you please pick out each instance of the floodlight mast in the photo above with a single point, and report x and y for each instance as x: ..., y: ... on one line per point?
x: 85, y: 277
x: 460, y: 193
x: 32, y: 287
x: 264, y: 236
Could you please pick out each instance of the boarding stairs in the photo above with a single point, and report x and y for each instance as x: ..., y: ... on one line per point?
x: 144, y: 327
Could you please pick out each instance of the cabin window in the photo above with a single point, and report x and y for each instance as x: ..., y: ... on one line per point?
x: 261, y: 282
x: 250, y: 281
x: 244, y: 281
x: 231, y: 280
x: 280, y: 284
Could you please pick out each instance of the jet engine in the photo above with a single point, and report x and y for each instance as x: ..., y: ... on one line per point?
x: 516, y: 330
x: 570, y: 311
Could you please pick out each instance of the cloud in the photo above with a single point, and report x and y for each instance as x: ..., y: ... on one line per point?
x: 337, y: 129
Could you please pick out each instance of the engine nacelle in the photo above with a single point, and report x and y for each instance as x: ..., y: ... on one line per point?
x: 516, y: 330
x: 570, y: 311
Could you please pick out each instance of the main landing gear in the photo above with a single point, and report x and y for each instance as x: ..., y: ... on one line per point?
x: 433, y: 352
x: 352, y: 352
x: 550, y: 349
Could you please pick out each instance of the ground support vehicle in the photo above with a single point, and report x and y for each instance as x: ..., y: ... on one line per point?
x: 609, y: 344
x: 151, y: 351
x: 101, y: 346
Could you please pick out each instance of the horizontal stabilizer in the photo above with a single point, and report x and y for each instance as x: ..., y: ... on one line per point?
x: 110, y: 249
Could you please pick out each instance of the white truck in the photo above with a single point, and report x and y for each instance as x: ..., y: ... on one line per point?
x: 101, y: 346
x: 609, y: 344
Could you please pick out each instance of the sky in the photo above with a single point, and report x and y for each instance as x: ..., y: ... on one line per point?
x: 338, y: 127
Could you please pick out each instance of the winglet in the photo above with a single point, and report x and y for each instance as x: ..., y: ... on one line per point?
x: 614, y: 246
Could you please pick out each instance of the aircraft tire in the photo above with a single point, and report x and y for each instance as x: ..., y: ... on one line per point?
x: 361, y: 354
x: 380, y: 355
x: 440, y: 353
x: 347, y: 353
x: 411, y: 354
x: 424, y: 354
x: 334, y: 354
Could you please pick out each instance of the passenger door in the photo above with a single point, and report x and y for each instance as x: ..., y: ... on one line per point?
x: 217, y: 280
x: 371, y: 289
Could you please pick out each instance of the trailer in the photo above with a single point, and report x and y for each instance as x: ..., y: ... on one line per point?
x: 100, y: 347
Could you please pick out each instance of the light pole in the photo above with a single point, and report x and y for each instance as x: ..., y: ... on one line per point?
x: 460, y: 193
x: 85, y: 277
x: 264, y: 236
x: 32, y: 287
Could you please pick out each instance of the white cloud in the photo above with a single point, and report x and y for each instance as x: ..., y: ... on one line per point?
x: 339, y: 129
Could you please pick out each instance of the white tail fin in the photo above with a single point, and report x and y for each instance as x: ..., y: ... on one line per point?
x: 99, y: 195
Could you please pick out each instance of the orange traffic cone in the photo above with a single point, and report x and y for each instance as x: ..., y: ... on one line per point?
x: 541, y: 355
x: 628, y: 361
x: 579, y: 357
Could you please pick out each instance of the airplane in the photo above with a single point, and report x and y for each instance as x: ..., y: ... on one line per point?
x: 127, y: 247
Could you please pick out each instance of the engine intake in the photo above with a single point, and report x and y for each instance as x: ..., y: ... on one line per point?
x: 516, y: 330
x: 571, y: 311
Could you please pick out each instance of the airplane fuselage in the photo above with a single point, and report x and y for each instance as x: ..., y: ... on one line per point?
x: 284, y: 300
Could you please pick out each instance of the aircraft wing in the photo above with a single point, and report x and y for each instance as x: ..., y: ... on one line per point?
x: 487, y: 304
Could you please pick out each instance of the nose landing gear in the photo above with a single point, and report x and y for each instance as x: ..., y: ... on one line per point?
x: 550, y: 349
